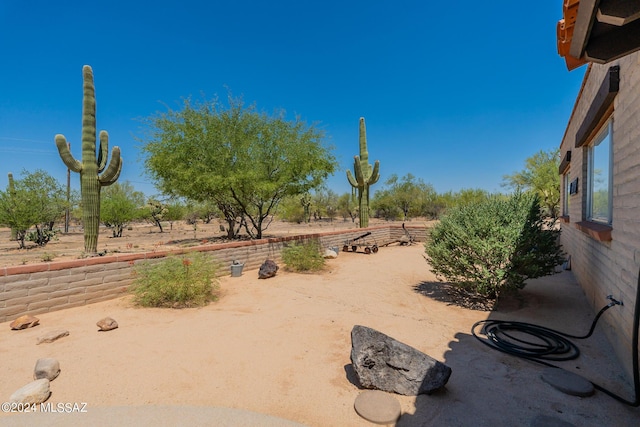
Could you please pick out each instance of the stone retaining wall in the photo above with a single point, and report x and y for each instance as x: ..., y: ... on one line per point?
x: 39, y: 288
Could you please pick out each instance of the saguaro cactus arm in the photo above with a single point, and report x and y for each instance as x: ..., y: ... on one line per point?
x: 355, y: 182
x: 103, y: 150
x: 65, y: 154
x: 375, y: 175
x: 112, y: 173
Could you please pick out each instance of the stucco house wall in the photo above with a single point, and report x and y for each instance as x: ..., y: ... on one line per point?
x: 605, y: 258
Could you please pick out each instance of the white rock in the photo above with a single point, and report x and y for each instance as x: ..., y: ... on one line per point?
x: 35, y: 392
x: 328, y: 253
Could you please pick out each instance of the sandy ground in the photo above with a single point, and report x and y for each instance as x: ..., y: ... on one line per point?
x: 281, y: 347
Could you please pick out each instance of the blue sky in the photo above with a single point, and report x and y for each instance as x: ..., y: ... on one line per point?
x: 457, y: 94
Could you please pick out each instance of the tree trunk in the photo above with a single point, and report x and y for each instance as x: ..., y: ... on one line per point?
x: 231, y: 231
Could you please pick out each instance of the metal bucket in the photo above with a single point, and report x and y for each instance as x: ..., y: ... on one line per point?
x: 236, y: 269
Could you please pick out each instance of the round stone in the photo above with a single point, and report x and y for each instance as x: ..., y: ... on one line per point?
x: 378, y: 407
x: 567, y: 382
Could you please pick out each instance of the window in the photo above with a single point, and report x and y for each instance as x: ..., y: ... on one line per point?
x: 566, y: 185
x: 599, y: 175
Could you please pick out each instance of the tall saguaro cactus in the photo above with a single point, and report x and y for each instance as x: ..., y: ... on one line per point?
x: 365, y: 176
x: 93, y: 175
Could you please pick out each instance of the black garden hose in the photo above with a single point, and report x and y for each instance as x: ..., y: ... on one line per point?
x: 551, y: 345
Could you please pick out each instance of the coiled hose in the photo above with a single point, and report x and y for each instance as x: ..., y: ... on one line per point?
x: 551, y: 345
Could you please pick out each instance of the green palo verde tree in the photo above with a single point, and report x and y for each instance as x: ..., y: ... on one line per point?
x: 36, y: 200
x: 243, y: 160
x: 365, y: 176
x: 16, y: 210
x: 540, y: 175
x: 93, y: 175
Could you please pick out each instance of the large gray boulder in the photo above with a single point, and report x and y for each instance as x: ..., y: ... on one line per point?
x: 268, y: 269
x: 383, y: 363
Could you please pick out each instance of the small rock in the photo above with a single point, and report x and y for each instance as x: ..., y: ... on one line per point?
x: 33, y: 393
x: 383, y: 363
x: 52, y: 336
x: 107, y: 324
x: 378, y: 407
x: 24, y: 322
x: 48, y: 368
x: 268, y: 269
x: 330, y: 254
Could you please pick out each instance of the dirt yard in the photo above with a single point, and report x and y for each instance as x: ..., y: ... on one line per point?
x: 145, y: 237
x: 281, y: 347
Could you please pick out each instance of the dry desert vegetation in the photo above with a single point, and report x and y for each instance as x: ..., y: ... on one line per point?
x: 145, y: 237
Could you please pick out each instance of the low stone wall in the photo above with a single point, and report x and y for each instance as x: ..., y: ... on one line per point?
x: 39, y: 288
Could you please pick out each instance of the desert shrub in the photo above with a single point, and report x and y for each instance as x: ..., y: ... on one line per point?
x: 495, y: 245
x: 47, y: 257
x: 303, y: 257
x: 177, y: 281
x: 41, y: 236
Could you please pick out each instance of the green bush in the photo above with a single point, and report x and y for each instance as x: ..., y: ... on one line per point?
x: 494, y: 246
x: 42, y: 236
x: 303, y: 257
x: 176, y: 282
x: 47, y: 257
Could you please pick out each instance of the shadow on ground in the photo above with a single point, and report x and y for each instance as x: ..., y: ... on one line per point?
x: 451, y: 294
x: 491, y: 388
